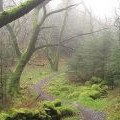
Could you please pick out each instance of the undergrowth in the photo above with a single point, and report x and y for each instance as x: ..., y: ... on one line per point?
x: 71, y: 93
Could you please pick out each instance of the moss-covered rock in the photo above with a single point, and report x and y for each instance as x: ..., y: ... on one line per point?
x: 66, y: 111
x: 57, y: 103
x: 52, y: 111
x: 49, y: 111
x: 25, y: 114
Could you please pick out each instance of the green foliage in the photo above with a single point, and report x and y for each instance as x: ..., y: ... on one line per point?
x: 95, y: 80
x: 96, y: 87
x: 92, y: 57
x: 113, y: 68
x: 64, y: 111
x: 48, y: 111
x: 3, y: 116
x: 91, y: 95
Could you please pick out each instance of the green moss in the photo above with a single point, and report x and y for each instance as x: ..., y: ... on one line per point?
x: 57, y: 103
x: 3, y: 116
x: 48, y: 113
x: 96, y: 87
x: 66, y: 111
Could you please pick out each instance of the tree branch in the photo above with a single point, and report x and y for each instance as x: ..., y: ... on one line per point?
x: 18, y: 11
x: 14, y: 39
x: 52, y: 45
x: 88, y: 33
x: 60, y: 10
x: 47, y: 27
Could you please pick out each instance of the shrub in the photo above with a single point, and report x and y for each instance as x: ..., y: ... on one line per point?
x: 96, y: 87
x: 95, y: 80
x: 95, y: 94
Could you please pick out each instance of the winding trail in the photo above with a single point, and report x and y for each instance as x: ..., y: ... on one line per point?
x: 40, y: 88
x: 90, y: 114
x: 86, y: 113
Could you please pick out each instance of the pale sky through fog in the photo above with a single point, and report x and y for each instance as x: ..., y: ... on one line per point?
x: 101, y: 8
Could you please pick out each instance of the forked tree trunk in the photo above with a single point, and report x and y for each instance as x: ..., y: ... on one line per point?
x: 23, y: 60
x: 55, y: 63
x: 15, y: 77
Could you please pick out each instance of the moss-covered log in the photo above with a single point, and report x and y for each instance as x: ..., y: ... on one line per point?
x: 18, y: 11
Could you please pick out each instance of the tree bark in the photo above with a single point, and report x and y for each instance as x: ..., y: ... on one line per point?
x: 15, y: 77
x: 23, y: 60
x: 55, y: 63
x: 1, y: 5
x: 14, y: 39
x: 18, y: 11
x: 25, y: 57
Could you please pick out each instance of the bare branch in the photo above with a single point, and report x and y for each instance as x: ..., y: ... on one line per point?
x: 67, y: 47
x: 84, y: 34
x: 60, y: 10
x: 47, y: 27
x: 52, y: 45
x: 14, y: 39
x: 45, y: 46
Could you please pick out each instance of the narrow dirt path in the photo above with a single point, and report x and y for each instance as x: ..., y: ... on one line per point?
x: 40, y: 89
x: 86, y: 113
x: 90, y: 114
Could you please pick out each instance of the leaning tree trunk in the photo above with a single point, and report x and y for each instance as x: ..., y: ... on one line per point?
x: 23, y: 60
x: 15, y: 77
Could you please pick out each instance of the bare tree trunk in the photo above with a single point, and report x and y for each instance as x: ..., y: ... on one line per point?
x: 1, y: 5
x: 14, y: 39
x: 15, y: 77
x: 55, y: 63
x: 23, y: 60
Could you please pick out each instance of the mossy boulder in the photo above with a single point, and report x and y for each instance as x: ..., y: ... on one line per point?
x: 48, y: 111
x: 57, y: 103
x: 94, y: 94
x: 3, y: 116
x: 25, y: 114
x: 52, y: 111
x: 66, y: 111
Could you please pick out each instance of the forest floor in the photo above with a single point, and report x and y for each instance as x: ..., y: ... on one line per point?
x: 40, y: 90
x: 85, y: 112
x: 48, y: 85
